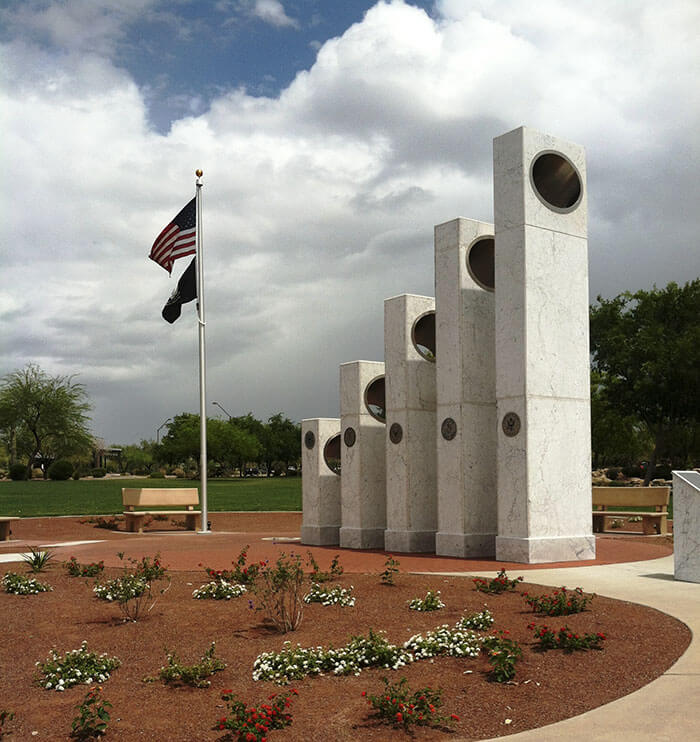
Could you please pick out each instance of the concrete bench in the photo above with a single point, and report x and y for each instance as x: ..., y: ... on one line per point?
x: 5, y: 527
x: 183, y: 497
x: 607, y: 502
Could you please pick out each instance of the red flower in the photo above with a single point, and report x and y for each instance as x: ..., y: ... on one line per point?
x: 364, y: 693
x: 454, y: 716
x: 399, y: 716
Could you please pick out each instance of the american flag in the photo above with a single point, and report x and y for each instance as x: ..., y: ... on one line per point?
x: 178, y: 239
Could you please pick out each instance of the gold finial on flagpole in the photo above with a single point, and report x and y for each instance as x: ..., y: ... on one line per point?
x: 198, y: 173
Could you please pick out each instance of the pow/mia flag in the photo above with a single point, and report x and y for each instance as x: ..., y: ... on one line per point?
x: 185, y: 291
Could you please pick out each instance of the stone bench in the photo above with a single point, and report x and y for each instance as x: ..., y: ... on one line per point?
x: 5, y: 524
x: 183, y: 497
x: 607, y: 502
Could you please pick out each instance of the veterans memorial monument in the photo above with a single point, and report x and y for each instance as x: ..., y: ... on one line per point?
x: 472, y: 439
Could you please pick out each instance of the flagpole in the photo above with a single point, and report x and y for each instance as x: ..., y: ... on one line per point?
x: 202, y: 357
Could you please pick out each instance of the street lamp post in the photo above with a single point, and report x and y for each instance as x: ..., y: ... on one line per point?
x: 161, y: 428
x: 230, y: 417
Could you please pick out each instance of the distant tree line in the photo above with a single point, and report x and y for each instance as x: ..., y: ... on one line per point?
x: 645, y: 405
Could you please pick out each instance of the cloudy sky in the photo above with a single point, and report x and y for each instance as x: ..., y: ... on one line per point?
x: 333, y: 135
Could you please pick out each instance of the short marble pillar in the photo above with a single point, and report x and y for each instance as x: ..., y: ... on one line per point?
x: 466, y: 389
x: 363, y: 483
x: 542, y: 362
x: 409, y: 353
x: 686, y: 525
x: 320, y: 485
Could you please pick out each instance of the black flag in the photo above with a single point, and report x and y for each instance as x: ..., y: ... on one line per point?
x: 186, y: 291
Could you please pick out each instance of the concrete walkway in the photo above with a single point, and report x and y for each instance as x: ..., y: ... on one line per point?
x: 666, y: 710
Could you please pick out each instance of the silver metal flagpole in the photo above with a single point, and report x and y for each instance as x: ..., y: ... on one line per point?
x: 202, y: 358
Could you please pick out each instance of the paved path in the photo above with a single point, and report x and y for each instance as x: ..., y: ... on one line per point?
x: 666, y: 710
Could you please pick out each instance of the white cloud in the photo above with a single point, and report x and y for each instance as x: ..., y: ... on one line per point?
x: 273, y: 12
x: 321, y: 203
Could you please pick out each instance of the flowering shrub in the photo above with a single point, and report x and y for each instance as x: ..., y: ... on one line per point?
x: 391, y: 568
x: 218, y: 590
x: 330, y: 596
x: 93, y: 717
x: 477, y: 621
x: 561, y: 602
x: 22, y: 585
x: 497, y: 585
x: 503, y: 653
x: 565, y: 639
x: 317, y: 575
x: 148, y: 568
x: 358, y: 654
x: 252, y: 724
x: 431, y: 602
x: 132, y: 591
x: 399, y: 706
x: 444, y: 641
x: 74, y: 667
x: 37, y: 560
x: 75, y: 569
x: 195, y: 675
x: 279, y: 592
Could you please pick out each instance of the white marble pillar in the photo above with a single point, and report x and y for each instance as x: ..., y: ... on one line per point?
x: 409, y: 352
x: 363, y: 483
x: 466, y: 389
x: 542, y: 361
x: 686, y: 525
x: 320, y: 485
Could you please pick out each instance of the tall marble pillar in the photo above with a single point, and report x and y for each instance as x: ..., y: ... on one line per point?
x: 409, y: 352
x: 686, y: 525
x: 466, y: 389
x: 363, y: 484
x: 542, y: 361
x: 320, y: 485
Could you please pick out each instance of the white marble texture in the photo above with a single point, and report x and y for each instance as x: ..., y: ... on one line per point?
x: 686, y: 525
x: 542, y: 364
x: 363, y: 481
x: 411, y: 497
x: 466, y: 393
x: 320, y: 486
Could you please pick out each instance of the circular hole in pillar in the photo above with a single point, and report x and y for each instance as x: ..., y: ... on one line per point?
x: 375, y: 398
x: 480, y: 262
x: 331, y: 453
x: 556, y: 181
x: 423, y: 335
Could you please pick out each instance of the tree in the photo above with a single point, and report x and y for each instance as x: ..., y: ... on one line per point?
x: 137, y: 457
x: 43, y: 416
x: 227, y: 443
x: 646, y: 349
x: 281, y: 441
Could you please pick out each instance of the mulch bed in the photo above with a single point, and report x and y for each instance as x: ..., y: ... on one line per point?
x: 641, y: 644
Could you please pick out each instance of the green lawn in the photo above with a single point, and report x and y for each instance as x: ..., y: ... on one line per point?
x: 104, y: 496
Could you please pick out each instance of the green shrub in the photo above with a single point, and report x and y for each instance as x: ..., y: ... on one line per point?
x: 77, y: 474
x: 98, y: 472
x: 18, y: 472
x: 60, y: 470
x: 612, y: 473
x: 195, y: 675
x: 399, y: 706
x: 140, y: 472
x: 156, y: 475
x: 633, y: 471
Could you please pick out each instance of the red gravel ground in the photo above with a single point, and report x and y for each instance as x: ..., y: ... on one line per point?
x: 641, y: 643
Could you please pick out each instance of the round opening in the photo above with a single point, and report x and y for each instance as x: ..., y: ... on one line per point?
x: 375, y: 399
x: 331, y: 453
x: 423, y: 335
x: 480, y: 262
x: 556, y: 181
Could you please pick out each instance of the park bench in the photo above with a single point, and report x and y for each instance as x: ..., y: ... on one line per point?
x: 182, y: 497
x: 5, y: 523
x: 608, y: 501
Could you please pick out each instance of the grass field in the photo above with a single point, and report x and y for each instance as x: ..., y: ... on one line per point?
x: 104, y: 496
